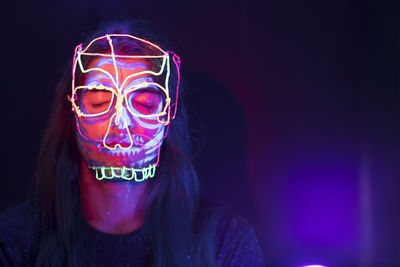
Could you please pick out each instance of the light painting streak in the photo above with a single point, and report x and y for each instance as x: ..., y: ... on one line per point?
x: 119, y: 107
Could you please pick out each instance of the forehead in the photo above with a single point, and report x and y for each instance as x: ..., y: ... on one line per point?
x: 103, y: 68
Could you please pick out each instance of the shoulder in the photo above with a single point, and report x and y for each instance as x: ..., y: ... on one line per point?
x: 18, y: 232
x: 236, y: 242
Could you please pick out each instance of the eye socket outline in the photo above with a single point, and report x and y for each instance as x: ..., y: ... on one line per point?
x: 144, y: 85
x: 86, y: 105
x: 97, y: 87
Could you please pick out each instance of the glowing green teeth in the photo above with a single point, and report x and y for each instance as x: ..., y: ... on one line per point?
x: 124, y: 173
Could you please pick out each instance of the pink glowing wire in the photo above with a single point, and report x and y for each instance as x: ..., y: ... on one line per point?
x: 177, y: 62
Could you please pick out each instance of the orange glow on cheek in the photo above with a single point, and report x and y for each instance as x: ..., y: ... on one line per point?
x: 94, y: 131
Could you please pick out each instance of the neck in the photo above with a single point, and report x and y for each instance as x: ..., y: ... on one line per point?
x: 111, y: 208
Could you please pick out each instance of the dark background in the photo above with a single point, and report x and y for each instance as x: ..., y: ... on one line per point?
x: 294, y: 106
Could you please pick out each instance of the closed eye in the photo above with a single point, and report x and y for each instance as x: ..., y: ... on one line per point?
x: 146, y: 102
x: 96, y: 105
x: 96, y: 101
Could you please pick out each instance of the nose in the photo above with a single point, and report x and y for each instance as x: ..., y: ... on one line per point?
x: 123, y: 116
x: 118, y: 134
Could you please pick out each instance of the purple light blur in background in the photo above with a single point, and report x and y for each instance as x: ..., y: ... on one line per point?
x: 322, y: 204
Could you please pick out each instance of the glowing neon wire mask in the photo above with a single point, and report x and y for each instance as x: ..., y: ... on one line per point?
x: 122, y: 102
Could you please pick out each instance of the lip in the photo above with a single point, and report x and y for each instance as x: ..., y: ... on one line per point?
x: 113, y: 145
x: 119, y: 145
x: 119, y: 154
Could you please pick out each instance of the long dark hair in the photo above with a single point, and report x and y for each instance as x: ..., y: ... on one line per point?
x: 172, y: 207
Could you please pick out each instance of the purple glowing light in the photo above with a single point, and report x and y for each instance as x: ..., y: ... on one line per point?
x: 323, y: 203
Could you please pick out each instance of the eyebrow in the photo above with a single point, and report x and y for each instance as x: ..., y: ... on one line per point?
x: 139, y: 80
x: 123, y: 65
x: 94, y: 79
x: 152, y: 89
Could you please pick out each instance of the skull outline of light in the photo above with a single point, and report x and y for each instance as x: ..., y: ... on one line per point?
x: 121, y: 97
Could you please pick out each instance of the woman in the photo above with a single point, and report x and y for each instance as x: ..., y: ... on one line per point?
x: 114, y: 185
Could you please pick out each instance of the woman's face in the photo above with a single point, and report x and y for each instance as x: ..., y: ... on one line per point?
x: 120, y: 100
